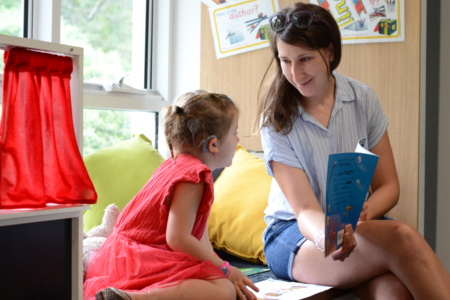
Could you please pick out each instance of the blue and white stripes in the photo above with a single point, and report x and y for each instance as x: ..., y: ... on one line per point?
x: 356, y: 114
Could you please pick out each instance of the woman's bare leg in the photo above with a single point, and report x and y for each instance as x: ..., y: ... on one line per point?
x: 383, y: 287
x: 383, y: 247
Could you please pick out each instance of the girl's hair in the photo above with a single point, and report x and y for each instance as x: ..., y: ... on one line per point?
x: 195, y: 118
x: 278, y: 99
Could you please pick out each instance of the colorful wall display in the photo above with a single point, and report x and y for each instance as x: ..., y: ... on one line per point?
x: 367, y: 21
x: 241, y: 26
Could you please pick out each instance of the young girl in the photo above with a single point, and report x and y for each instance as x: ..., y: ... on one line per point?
x: 160, y: 247
x: 308, y: 112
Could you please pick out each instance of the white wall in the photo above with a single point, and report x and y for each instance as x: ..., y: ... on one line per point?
x: 186, y: 46
x: 183, y: 55
x: 443, y: 205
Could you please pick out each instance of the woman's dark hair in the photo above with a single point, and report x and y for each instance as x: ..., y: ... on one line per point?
x: 279, y: 100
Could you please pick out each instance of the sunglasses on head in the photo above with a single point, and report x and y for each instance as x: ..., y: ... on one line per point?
x: 302, y: 19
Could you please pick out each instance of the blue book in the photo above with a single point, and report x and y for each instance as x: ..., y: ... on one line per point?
x: 348, y: 180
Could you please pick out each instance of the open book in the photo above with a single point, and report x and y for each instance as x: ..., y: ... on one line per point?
x: 277, y: 289
x: 254, y: 270
x: 348, y: 181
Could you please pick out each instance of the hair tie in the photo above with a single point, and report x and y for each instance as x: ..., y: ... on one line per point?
x: 178, y: 110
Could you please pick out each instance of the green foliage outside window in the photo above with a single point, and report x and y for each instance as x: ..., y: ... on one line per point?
x: 11, y: 15
x: 104, y: 29
x: 104, y: 128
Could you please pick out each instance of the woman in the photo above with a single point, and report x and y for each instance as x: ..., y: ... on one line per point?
x: 309, y: 111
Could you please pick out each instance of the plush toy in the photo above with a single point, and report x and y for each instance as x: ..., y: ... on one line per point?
x: 93, y: 240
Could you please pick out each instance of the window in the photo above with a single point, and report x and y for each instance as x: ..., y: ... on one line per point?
x: 117, y: 42
x: 114, y: 37
x: 115, y: 125
x: 11, y: 14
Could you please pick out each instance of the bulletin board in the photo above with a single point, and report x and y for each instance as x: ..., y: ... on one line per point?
x: 391, y: 69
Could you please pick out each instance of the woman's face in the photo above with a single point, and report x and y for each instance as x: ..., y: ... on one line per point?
x: 305, y: 69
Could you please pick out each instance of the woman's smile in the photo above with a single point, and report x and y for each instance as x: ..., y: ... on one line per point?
x: 305, y: 84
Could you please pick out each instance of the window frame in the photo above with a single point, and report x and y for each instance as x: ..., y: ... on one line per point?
x: 44, y: 24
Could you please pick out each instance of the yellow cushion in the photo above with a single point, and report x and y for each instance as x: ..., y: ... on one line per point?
x: 236, y: 222
x: 118, y: 173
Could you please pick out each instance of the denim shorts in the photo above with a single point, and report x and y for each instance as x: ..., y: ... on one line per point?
x: 281, y: 243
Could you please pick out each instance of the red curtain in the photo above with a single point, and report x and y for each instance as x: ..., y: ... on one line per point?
x: 40, y: 162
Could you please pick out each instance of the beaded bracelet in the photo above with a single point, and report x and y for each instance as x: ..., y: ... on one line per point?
x: 317, y: 241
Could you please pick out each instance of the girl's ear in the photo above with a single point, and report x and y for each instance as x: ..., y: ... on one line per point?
x: 212, y: 145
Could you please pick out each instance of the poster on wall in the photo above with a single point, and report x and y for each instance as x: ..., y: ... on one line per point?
x: 214, y: 2
x: 367, y: 21
x: 241, y: 26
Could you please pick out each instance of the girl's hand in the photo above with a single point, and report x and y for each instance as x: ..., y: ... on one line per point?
x: 241, y: 282
x: 348, y: 245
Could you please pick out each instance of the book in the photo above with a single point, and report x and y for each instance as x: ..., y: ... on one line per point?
x: 276, y: 289
x: 253, y: 270
x: 349, y: 176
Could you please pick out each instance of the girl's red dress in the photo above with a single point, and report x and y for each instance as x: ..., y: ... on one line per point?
x: 136, y: 256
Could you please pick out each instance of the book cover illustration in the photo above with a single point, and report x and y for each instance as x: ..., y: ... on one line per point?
x: 275, y: 289
x: 253, y: 270
x: 348, y: 180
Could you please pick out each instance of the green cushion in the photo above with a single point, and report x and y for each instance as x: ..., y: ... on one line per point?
x: 118, y: 173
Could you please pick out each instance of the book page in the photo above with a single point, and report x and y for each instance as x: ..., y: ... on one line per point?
x: 273, y: 289
x: 360, y: 147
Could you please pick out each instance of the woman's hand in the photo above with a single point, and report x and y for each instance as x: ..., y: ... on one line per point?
x: 348, y: 245
x: 364, y: 213
x: 241, y: 282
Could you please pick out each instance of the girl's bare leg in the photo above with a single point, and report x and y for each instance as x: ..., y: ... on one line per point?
x: 383, y: 247
x: 195, y: 289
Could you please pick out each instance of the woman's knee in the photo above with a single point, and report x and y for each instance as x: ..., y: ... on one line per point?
x: 407, y: 242
x: 398, y: 234
x: 400, y: 291
x: 386, y: 286
x: 405, y: 234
